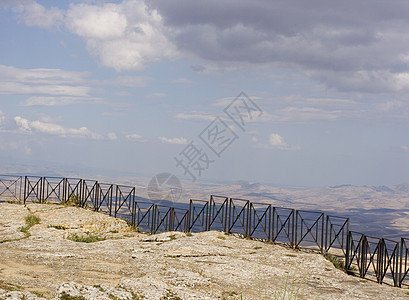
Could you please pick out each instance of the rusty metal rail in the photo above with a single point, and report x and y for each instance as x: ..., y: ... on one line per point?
x: 383, y: 260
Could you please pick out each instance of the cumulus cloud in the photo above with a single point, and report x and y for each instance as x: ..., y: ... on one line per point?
x: 135, y: 137
x: 178, y: 141
x: 34, y: 14
x: 112, y: 136
x: 124, y: 36
x: 25, y: 125
x: 275, y: 141
x: 2, y: 119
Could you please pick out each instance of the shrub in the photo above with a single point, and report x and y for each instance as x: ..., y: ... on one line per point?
x: 31, y: 220
x: 336, y: 261
x: 74, y: 200
x: 85, y: 238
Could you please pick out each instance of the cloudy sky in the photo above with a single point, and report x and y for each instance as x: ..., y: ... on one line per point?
x: 135, y: 88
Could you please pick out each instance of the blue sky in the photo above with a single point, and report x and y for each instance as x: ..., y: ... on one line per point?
x: 122, y: 88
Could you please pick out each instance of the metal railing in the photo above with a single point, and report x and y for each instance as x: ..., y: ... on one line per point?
x: 382, y: 260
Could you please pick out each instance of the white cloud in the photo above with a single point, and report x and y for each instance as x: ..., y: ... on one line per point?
x: 405, y: 148
x: 178, y: 141
x: 124, y: 36
x: 58, y: 101
x: 2, y: 118
x: 112, y: 136
x: 97, y: 22
x: 194, y: 116
x: 34, y: 14
x: 275, y: 141
x: 50, y: 82
x: 25, y: 125
x: 135, y: 137
x: 128, y: 81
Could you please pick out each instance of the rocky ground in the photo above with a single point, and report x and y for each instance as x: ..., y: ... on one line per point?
x: 48, y: 260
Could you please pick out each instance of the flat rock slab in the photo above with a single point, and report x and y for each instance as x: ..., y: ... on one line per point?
x: 132, y: 265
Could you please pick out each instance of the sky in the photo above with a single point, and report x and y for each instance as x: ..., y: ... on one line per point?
x: 295, y: 93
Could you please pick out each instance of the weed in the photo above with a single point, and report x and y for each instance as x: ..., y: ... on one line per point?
x: 222, y: 237
x: 172, y: 237
x: 85, y: 238
x: 189, y: 233
x: 75, y: 200
x: 136, y: 296
x: 170, y: 295
x: 99, y: 287
x: 227, y: 294
x: 288, y: 292
x: 257, y: 247
x: 9, y: 287
x: 65, y: 296
x: 31, y: 220
x: 38, y: 294
x: 336, y: 261
x: 291, y: 255
x: 59, y: 227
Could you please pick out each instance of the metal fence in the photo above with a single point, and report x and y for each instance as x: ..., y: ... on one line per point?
x: 382, y: 260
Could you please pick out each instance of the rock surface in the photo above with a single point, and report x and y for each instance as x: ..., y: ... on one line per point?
x: 172, y: 265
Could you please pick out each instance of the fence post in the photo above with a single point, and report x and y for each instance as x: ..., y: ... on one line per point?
x: 379, y: 260
x: 400, y: 261
x: 364, y: 245
x: 347, y: 248
x: 293, y: 230
x: 322, y: 232
x: 248, y: 218
x: 269, y: 222
x: 25, y: 189
x: 396, y: 277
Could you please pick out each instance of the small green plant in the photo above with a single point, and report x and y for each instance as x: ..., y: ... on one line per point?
x: 74, y: 200
x: 31, y: 220
x: 291, y: 255
x: 59, y: 227
x: 172, y: 237
x: 170, y: 295
x: 222, y: 237
x: 9, y: 287
x: 189, y: 233
x: 289, y: 291
x: 228, y: 294
x: 85, y: 238
x: 336, y: 261
x: 65, y: 296
x: 39, y: 294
